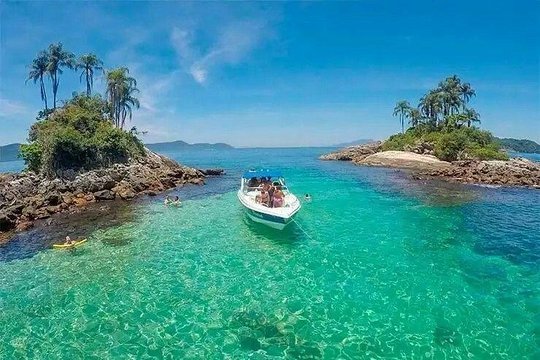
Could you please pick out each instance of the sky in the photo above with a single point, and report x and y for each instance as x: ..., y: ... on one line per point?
x: 281, y: 73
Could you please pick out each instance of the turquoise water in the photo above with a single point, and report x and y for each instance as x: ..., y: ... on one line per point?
x: 377, y: 266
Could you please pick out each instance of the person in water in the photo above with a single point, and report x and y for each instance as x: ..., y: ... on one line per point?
x: 172, y: 201
x: 307, y: 198
x: 69, y: 241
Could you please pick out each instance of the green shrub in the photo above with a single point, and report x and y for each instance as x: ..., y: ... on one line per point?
x: 487, y: 153
x: 31, y: 154
x: 78, y: 136
x: 451, y: 146
x: 398, y: 141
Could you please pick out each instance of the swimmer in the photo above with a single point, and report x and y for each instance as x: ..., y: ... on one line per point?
x: 172, y: 201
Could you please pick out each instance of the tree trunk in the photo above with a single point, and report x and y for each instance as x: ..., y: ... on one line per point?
x: 55, y: 88
x: 43, y: 92
x: 88, y: 90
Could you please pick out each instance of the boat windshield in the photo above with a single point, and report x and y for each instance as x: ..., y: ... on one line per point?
x: 258, y: 183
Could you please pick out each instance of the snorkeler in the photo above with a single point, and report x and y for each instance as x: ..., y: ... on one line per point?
x: 172, y: 201
x: 307, y: 198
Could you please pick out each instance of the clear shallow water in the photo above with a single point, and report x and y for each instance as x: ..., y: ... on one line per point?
x: 377, y: 267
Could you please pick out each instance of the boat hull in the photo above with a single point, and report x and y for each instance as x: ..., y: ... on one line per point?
x: 265, y: 216
x: 274, y: 222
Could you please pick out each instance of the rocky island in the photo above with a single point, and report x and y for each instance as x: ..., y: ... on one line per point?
x: 28, y: 196
x: 424, y: 165
x: 442, y: 141
x: 79, y: 153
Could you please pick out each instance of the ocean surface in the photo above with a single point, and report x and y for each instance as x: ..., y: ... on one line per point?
x: 376, y: 266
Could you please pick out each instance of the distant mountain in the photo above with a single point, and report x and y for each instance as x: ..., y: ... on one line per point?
x: 522, y: 146
x: 182, y: 145
x: 9, y: 152
x: 356, y: 142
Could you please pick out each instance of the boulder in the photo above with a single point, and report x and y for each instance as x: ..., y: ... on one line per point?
x: 357, y: 152
x: 6, y: 222
x: 104, y: 195
x: 124, y: 191
x: 403, y: 159
x: 80, y: 202
x: 213, y: 172
x: 53, y: 198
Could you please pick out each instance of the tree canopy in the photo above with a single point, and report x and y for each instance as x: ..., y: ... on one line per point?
x: 78, y: 135
x: 444, y: 119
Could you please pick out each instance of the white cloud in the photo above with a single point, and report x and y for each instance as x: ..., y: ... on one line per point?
x: 233, y: 44
x: 12, y: 107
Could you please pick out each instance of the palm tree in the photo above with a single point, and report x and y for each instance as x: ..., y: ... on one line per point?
x: 58, y: 58
x: 37, y: 71
x: 431, y: 106
x: 472, y: 116
x: 120, y: 90
x: 88, y: 64
x: 402, y: 109
x: 466, y: 92
x: 449, y: 90
x: 415, y: 117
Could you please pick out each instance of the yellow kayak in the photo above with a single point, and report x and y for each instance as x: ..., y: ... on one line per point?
x: 64, y: 246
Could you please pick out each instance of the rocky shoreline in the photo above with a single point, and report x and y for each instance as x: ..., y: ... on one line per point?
x: 514, y: 172
x: 27, y: 197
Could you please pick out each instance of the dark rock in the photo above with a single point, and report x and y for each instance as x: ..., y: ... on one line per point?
x: 42, y: 213
x: 354, y: 153
x: 196, y: 181
x: 27, y: 196
x: 53, y: 198
x: 6, y: 223
x: 104, y: 195
x: 213, y: 172
x: 515, y: 172
x: 53, y: 209
x: 15, y: 209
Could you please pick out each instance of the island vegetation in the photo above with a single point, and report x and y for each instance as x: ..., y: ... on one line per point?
x: 444, y: 123
x: 519, y: 145
x: 87, y: 131
x: 79, y: 151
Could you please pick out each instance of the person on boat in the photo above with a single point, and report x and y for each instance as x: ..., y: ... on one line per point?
x: 279, y: 198
x: 307, y: 198
x: 69, y: 241
x: 253, y: 182
x: 271, y: 190
x: 264, y: 198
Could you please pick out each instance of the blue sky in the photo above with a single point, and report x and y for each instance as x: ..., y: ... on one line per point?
x: 282, y: 74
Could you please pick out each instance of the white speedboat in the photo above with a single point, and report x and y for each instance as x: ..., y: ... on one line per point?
x: 250, y: 196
